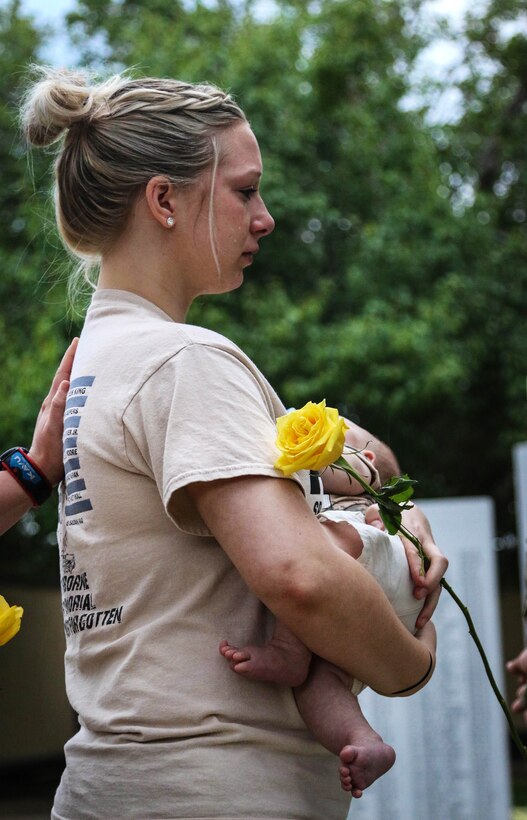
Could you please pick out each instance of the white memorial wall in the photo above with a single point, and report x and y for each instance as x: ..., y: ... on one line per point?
x: 450, y: 738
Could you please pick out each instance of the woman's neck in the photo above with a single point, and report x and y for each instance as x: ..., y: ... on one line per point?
x: 143, y: 264
x: 151, y: 290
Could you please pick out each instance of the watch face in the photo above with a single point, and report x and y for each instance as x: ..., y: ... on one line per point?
x: 19, y: 464
x: 30, y: 479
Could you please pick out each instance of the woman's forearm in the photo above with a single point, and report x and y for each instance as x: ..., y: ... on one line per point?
x: 325, y: 597
x: 346, y: 618
x: 14, y: 502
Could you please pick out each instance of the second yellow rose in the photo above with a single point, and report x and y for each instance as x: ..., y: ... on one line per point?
x: 10, y: 617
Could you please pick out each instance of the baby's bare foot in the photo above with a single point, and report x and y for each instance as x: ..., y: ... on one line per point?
x: 274, y: 662
x: 364, y: 762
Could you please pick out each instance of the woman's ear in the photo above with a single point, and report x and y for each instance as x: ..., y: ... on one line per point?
x: 160, y: 200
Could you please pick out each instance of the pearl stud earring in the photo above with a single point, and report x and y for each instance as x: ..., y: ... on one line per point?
x: 170, y: 221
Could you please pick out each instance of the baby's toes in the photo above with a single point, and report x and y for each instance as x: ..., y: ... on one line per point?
x: 240, y: 655
x: 227, y: 650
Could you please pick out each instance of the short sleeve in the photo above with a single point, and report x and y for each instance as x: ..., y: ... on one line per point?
x: 204, y: 415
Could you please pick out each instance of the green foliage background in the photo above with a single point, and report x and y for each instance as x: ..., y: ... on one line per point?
x: 395, y: 282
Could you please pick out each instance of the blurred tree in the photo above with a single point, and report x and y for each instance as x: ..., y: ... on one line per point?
x: 483, y: 159
x: 33, y: 329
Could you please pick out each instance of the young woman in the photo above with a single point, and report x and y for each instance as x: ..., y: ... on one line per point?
x: 175, y: 528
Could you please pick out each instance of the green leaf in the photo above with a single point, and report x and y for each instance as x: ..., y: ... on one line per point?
x: 399, y: 488
x: 392, y: 521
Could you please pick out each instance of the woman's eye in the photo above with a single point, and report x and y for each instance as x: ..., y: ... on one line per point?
x: 248, y: 192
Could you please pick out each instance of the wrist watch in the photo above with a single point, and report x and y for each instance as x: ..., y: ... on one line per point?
x: 24, y: 470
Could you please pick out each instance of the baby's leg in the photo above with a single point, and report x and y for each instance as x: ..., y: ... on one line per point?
x: 334, y: 716
x: 283, y: 659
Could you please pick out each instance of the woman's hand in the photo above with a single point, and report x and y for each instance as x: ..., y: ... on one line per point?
x: 426, y: 586
x: 46, y: 447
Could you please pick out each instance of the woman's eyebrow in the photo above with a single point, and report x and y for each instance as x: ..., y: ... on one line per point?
x: 246, y: 172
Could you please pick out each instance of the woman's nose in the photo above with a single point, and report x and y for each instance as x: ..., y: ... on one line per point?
x: 263, y: 222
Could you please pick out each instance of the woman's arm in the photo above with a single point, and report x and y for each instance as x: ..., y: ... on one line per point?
x: 14, y: 502
x: 326, y: 598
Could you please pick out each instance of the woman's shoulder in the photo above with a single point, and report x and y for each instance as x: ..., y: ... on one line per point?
x: 134, y: 343
x: 203, y: 337
x: 126, y: 314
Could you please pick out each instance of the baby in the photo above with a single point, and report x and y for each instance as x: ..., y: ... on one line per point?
x: 325, y: 695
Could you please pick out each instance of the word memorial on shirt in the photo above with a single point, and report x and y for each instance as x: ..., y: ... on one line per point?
x: 451, y: 737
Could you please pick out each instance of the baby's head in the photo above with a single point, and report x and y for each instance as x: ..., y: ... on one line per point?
x: 372, y: 450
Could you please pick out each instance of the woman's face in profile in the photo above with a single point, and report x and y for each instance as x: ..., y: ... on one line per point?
x: 223, y: 218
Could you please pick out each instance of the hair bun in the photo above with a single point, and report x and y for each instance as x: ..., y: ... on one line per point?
x: 58, y: 100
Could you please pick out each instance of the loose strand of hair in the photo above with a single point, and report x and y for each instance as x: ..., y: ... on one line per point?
x: 211, y: 205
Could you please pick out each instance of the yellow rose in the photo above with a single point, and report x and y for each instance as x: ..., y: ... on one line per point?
x: 10, y: 617
x: 310, y: 438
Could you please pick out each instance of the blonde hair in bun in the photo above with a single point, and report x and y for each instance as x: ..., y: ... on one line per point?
x: 116, y: 135
x: 61, y: 99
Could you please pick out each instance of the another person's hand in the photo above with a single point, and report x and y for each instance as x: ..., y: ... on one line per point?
x: 46, y: 447
x: 426, y: 586
x: 518, y: 667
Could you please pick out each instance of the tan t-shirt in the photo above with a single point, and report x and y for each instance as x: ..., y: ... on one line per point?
x: 167, y: 729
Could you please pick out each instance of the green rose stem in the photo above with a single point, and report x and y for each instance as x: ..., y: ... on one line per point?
x: 392, y: 499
